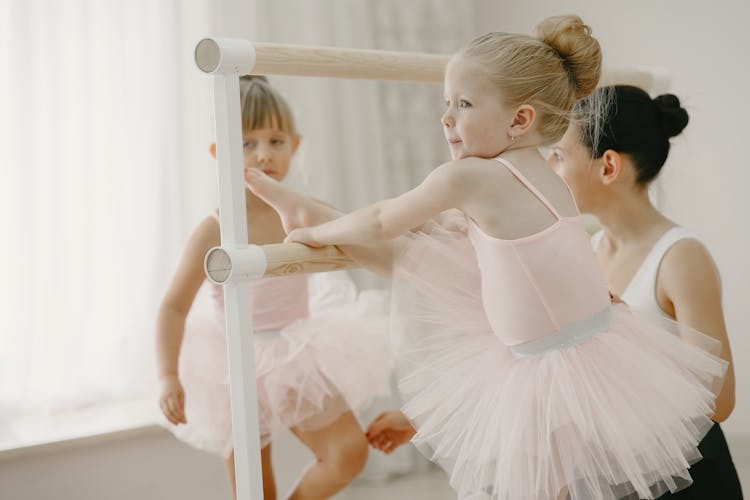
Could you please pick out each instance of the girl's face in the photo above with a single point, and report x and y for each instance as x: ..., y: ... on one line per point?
x: 572, y: 161
x: 476, y: 121
x: 270, y: 150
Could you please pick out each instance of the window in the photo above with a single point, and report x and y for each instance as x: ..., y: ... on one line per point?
x: 104, y: 130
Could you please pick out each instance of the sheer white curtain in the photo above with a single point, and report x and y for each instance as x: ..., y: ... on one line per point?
x: 104, y: 132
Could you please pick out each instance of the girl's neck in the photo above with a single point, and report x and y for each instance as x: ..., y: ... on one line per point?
x: 521, y: 155
x: 628, y: 220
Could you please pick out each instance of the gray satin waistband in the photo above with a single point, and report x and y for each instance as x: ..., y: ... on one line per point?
x: 569, y: 336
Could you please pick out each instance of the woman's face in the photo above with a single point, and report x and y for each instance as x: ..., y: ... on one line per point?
x: 572, y: 161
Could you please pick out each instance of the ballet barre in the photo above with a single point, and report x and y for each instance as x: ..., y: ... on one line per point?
x: 214, y: 55
x: 235, y: 263
x: 282, y: 259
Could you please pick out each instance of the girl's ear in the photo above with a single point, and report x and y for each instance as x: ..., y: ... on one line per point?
x: 611, y: 167
x: 523, y: 120
x: 295, y: 143
x: 212, y: 149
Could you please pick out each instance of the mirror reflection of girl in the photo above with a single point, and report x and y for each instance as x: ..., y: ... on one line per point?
x: 312, y: 368
x: 650, y: 261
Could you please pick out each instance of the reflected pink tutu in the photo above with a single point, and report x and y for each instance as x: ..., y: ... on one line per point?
x: 601, y: 415
x: 308, y: 373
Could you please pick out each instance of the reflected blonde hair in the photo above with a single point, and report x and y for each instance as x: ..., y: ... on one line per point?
x: 550, y: 70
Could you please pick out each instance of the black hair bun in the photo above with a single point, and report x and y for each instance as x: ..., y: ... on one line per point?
x: 674, y: 118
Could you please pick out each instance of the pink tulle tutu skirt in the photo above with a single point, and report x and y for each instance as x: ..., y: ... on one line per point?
x: 601, y: 416
x: 308, y: 374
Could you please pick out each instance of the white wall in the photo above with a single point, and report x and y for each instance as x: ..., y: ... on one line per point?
x: 703, y: 45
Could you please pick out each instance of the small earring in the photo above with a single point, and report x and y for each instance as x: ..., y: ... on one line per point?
x: 512, y: 136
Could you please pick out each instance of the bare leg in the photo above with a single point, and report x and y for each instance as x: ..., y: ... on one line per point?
x: 340, y: 452
x: 298, y: 210
x: 269, y: 484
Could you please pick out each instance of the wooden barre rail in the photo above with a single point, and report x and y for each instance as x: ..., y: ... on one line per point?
x: 283, y: 259
x: 335, y: 62
x: 332, y: 62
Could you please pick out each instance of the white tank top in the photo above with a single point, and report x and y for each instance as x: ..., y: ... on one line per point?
x: 641, y: 291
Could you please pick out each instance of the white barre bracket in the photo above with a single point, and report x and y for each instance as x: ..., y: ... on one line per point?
x: 234, y: 265
x: 225, y: 55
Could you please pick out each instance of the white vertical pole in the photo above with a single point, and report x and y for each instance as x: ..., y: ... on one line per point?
x: 226, y: 66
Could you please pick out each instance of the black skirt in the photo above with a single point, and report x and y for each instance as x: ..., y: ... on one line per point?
x: 714, y: 477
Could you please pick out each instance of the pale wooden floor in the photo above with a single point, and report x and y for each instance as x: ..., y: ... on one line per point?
x: 155, y: 466
x: 431, y: 485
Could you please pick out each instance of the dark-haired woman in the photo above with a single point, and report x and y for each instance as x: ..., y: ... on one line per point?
x: 649, y: 260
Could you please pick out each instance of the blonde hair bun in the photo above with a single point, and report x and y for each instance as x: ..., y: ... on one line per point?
x: 580, y: 52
